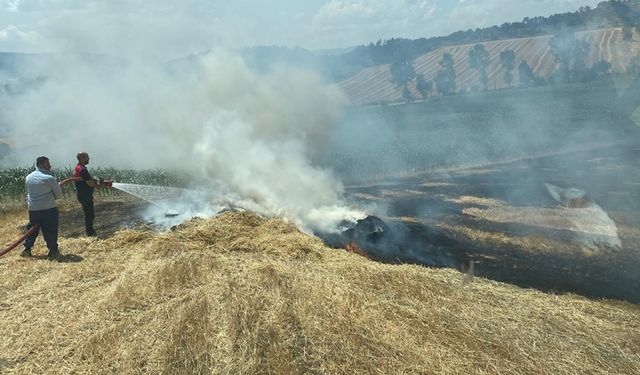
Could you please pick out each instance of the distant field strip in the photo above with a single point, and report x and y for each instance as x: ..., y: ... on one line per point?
x: 375, y: 85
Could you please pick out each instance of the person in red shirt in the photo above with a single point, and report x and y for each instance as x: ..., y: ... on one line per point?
x: 84, y: 192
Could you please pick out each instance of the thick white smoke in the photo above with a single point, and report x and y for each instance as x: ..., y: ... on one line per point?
x: 269, y: 174
x: 241, y: 136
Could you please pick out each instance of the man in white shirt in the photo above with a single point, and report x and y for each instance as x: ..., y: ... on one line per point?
x: 42, y: 191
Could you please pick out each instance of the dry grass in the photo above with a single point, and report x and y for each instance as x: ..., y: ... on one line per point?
x: 480, y: 201
x: 528, y: 244
x: 591, y: 223
x: 243, y: 294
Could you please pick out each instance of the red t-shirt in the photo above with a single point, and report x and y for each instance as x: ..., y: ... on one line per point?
x: 81, y: 186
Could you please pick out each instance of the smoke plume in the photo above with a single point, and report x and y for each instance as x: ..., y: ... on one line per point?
x: 243, y: 137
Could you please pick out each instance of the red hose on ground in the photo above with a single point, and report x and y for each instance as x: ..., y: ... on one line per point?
x: 19, y: 241
x: 35, y: 227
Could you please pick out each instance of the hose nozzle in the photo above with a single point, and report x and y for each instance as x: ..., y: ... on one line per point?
x: 104, y: 183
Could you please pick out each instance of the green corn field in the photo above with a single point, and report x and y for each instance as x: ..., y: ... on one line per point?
x: 12, y: 186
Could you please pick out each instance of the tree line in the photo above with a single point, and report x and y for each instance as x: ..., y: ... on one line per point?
x: 612, y: 13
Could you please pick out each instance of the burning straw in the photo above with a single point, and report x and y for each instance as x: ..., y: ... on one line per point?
x: 243, y: 294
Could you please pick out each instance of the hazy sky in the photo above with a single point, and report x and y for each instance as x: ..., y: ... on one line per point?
x: 176, y: 27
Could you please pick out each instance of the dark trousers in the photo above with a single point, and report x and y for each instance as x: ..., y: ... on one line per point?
x: 47, y: 220
x: 89, y: 213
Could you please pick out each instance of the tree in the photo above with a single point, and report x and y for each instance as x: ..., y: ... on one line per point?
x: 634, y: 65
x: 479, y: 60
x: 406, y: 93
x: 423, y: 86
x: 508, y: 62
x: 446, y: 77
x: 571, y: 54
x: 580, y: 54
x: 447, y: 61
x: 527, y: 77
x: 402, y: 72
x: 599, y: 69
x: 627, y: 33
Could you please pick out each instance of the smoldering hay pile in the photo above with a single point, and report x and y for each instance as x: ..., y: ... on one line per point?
x: 243, y: 138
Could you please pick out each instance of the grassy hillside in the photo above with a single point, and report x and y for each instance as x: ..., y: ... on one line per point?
x: 376, y: 85
x: 243, y: 294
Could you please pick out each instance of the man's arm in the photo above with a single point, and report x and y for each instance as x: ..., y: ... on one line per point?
x: 57, y: 191
x: 86, y: 176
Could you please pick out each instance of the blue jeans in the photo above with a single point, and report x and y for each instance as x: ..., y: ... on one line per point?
x: 48, y: 222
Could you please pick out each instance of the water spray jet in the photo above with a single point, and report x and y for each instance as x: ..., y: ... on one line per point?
x: 170, y: 206
x: 153, y: 194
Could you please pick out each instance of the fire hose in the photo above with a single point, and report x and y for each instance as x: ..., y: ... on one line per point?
x: 35, y: 227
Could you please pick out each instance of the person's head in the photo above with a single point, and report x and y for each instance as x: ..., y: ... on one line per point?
x: 83, y: 158
x: 42, y: 162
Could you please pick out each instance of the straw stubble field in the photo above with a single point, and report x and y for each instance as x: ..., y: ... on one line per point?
x: 244, y: 294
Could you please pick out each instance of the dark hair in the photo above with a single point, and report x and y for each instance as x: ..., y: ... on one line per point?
x: 40, y: 160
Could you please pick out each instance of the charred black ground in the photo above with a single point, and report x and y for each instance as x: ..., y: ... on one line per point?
x: 429, y: 213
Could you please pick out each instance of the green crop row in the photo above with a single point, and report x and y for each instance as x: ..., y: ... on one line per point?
x: 12, y: 187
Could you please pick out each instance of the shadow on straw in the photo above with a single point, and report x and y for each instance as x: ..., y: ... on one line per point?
x: 66, y: 258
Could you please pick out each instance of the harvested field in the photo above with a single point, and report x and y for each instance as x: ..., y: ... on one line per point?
x: 244, y: 294
x: 375, y: 85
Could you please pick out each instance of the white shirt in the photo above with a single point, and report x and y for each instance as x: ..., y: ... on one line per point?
x: 42, y: 190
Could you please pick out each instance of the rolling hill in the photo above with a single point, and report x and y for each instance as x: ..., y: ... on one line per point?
x: 376, y: 85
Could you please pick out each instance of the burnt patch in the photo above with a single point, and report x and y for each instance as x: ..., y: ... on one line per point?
x: 111, y: 216
x: 395, y: 242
